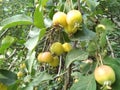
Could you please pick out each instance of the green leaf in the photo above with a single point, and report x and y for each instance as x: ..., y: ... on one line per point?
x: 92, y: 47
x: 6, y: 43
x: 85, y: 67
x: 76, y: 74
x: 102, y: 40
x: 30, y: 60
x: 48, y: 22
x: 43, y: 2
x: 38, y: 18
x: 92, y: 4
x: 16, y: 20
x: 84, y: 34
x: 43, y: 76
x: 115, y: 64
x: 85, y: 83
x: 35, y: 35
x: 7, y: 77
x: 32, y: 41
x: 1, y: 61
x: 28, y: 88
x: 110, y: 26
x: 51, y: 13
x: 75, y: 54
x: 42, y: 33
x: 14, y: 86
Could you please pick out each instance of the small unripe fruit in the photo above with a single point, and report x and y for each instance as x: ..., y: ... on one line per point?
x: 22, y: 66
x: 76, y: 80
x: 104, y: 75
x: 55, y: 62
x: 45, y: 57
x: 106, y: 9
x: 57, y: 48
x: 59, y: 79
x: 20, y: 74
x: 67, y: 47
x: 100, y: 28
x: 59, y: 18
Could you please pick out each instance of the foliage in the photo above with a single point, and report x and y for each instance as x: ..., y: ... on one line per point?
x: 26, y: 29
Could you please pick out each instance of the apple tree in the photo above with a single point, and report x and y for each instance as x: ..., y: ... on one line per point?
x: 60, y: 45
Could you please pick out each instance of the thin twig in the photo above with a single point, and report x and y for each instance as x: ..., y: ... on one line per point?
x: 45, y: 43
x: 67, y: 78
x: 13, y: 60
x: 109, y: 45
x: 61, y: 74
x: 60, y: 65
x: 75, y: 44
x: 78, y: 1
x: 97, y: 58
x: 79, y: 7
x: 3, y: 33
x: 14, y: 51
x: 100, y: 58
x: 116, y: 22
x: 11, y: 65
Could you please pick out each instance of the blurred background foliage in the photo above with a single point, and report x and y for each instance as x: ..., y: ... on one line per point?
x: 17, y: 53
x: 9, y: 8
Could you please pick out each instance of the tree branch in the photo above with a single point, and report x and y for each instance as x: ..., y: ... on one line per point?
x: 79, y: 8
x: 3, y: 33
x: 67, y: 78
x: 110, y: 47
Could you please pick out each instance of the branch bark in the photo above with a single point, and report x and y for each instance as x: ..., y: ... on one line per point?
x: 67, y: 78
x: 109, y: 45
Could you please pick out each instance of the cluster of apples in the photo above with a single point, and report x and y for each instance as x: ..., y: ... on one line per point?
x: 70, y: 21
x: 51, y: 56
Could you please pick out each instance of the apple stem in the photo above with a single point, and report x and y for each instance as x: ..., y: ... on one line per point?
x: 100, y: 58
